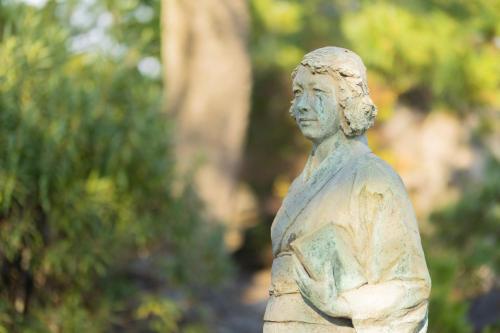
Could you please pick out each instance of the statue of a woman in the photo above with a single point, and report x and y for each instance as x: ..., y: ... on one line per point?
x: 346, y: 245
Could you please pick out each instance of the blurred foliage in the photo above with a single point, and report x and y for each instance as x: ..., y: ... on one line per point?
x: 447, y: 311
x: 86, y: 177
x: 446, y: 51
x: 430, y: 55
x: 86, y: 173
x: 165, y: 312
x: 467, y: 235
x: 471, y: 227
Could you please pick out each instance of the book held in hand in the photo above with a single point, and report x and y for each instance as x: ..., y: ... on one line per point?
x: 327, y: 245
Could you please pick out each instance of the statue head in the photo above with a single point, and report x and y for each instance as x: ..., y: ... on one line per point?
x: 331, y: 94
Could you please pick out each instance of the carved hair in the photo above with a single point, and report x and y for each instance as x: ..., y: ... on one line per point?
x: 357, y: 109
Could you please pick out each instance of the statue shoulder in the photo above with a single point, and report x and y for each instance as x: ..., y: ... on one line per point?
x: 375, y: 175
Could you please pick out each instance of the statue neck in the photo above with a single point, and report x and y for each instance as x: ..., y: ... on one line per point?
x: 323, y: 149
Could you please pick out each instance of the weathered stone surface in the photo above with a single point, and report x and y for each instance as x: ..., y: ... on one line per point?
x: 346, y: 245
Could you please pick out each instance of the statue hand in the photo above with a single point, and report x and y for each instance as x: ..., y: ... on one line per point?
x: 322, y: 293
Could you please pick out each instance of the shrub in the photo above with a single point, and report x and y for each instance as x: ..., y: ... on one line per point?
x: 85, y: 185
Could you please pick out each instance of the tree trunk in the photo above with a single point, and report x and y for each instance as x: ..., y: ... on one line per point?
x: 208, y: 79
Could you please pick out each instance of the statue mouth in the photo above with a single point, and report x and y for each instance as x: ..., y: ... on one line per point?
x: 306, y: 120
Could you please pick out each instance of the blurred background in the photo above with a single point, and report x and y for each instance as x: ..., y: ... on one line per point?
x: 145, y: 147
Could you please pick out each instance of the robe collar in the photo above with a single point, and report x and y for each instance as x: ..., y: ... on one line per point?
x: 303, y: 188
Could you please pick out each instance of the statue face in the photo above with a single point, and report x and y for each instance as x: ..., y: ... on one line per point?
x: 315, y: 106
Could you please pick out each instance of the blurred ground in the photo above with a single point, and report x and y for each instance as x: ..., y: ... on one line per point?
x: 240, y: 306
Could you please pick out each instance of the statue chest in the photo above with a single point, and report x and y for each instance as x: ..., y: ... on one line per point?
x: 330, y: 204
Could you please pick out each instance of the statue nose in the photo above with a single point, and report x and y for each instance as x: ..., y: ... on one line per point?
x: 304, y: 108
x: 303, y: 105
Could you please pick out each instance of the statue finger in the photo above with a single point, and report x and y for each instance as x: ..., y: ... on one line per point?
x: 300, y: 270
x: 302, y: 287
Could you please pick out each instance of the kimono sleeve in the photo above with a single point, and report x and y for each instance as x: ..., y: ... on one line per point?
x: 389, y: 251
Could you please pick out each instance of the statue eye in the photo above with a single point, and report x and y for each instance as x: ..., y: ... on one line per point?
x: 319, y: 91
x: 297, y: 92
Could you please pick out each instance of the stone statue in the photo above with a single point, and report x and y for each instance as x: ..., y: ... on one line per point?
x: 346, y: 246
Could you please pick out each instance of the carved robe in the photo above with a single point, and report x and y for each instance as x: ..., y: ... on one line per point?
x: 365, y: 202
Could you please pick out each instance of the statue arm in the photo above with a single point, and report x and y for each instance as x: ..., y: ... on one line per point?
x: 386, y: 244
x: 389, y: 249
